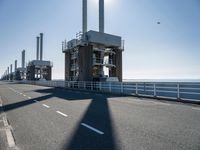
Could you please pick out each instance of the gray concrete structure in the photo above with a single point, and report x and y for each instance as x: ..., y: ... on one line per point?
x: 39, y: 69
x: 15, y: 65
x: 37, y: 47
x: 41, y: 46
x: 92, y: 55
x: 84, y: 16
x: 23, y: 59
x: 101, y: 16
x: 20, y: 72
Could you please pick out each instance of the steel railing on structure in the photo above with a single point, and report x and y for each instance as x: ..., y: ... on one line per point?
x: 170, y: 90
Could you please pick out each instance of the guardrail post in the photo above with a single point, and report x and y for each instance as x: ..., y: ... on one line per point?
x: 122, y: 88
x: 110, y: 87
x: 100, y: 86
x: 68, y: 84
x: 136, y: 88
x: 91, y: 85
x: 154, y: 90
x: 84, y: 85
x: 178, y: 91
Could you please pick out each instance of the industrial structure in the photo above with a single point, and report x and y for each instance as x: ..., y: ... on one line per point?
x: 93, y: 55
x: 20, y: 72
x: 39, y: 69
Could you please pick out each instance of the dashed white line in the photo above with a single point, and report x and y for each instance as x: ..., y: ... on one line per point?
x: 196, y: 108
x: 91, y: 128
x: 21, y: 93
x: 45, y: 105
x: 29, y: 97
x: 24, y: 95
x: 61, y: 113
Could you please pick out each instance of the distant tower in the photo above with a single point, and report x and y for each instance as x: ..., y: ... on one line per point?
x: 39, y: 69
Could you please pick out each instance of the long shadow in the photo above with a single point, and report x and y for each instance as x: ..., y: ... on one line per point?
x: 24, y: 103
x: 97, y: 115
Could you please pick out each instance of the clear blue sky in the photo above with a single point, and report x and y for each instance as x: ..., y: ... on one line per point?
x: 169, y: 50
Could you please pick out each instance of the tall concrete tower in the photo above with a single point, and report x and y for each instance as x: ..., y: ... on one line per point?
x: 93, y: 55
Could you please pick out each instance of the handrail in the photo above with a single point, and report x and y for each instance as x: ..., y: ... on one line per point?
x: 157, y: 89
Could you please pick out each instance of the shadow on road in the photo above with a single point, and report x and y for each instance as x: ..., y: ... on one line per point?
x: 97, y: 115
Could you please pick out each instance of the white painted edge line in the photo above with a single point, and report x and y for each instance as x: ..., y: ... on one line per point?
x: 10, y: 139
x: 61, y: 113
x: 35, y: 101
x: 1, y: 102
x: 196, y: 108
x: 5, y: 122
x: 91, y: 128
x: 45, y: 105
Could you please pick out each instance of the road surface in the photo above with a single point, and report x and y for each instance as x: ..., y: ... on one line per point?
x: 45, y: 118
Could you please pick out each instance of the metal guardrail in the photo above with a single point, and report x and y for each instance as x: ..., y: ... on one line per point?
x: 170, y: 90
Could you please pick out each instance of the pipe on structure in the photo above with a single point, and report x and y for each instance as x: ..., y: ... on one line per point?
x: 15, y: 65
x: 37, y: 47
x: 41, y: 46
x: 101, y: 16
x: 23, y: 59
x: 84, y: 9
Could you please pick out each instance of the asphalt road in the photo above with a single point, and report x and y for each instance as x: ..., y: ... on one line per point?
x: 44, y: 118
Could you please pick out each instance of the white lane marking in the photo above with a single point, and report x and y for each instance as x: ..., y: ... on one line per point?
x: 24, y: 95
x: 29, y: 97
x: 61, y: 113
x: 35, y: 101
x: 46, y: 106
x: 21, y: 93
x: 9, y: 135
x: 14, y: 90
x: 5, y: 122
x: 160, y: 103
x: 91, y: 128
x: 196, y: 108
x: 10, y: 139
